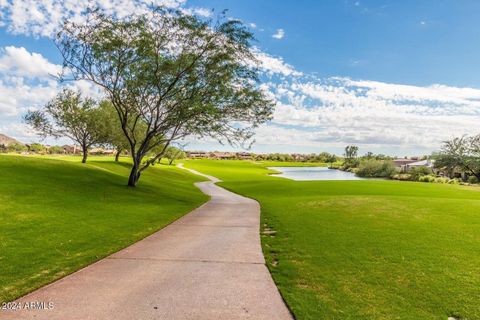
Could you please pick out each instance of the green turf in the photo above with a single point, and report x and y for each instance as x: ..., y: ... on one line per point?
x: 57, y: 216
x: 365, y: 249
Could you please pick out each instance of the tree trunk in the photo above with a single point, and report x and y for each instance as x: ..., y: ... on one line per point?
x: 85, y: 154
x: 117, y: 155
x: 170, y: 162
x: 135, y: 173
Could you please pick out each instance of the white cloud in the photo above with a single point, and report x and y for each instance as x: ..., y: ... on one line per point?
x: 44, y: 17
x: 279, y: 34
x: 26, y: 83
x: 20, y: 62
x: 274, y: 65
x: 341, y: 111
x: 202, y: 12
x: 252, y: 25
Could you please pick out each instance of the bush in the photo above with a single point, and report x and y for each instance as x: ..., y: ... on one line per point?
x: 375, y: 169
x: 402, y: 177
x: 56, y: 150
x: 36, y: 148
x: 16, y: 147
x: 427, y: 178
x: 454, y: 181
x: 442, y: 180
x: 417, y: 172
x: 472, y: 179
x: 350, y: 164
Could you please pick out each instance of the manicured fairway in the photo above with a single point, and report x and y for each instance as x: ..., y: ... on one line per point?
x: 57, y: 216
x: 365, y: 249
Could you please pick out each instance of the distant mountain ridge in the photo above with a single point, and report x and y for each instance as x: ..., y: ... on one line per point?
x: 6, y: 140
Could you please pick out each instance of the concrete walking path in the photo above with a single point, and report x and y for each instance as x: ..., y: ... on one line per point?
x: 206, y: 265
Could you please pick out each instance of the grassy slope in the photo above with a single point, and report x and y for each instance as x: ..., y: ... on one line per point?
x: 57, y: 216
x: 366, y: 249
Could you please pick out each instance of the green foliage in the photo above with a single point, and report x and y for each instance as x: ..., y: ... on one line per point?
x: 454, y: 181
x: 69, y: 115
x: 17, y: 148
x: 375, y: 169
x: 402, y: 177
x: 174, y: 75
x: 351, y: 160
x: 110, y: 128
x: 427, y: 178
x: 460, y: 154
x: 472, y: 179
x: 173, y: 153
x: 323, y: 157
x: 441, y: 180
x: 56, y: 150
x: 36, y: 148
x: 371, y: 155
x: 351, y: 152
x: 417, y: 172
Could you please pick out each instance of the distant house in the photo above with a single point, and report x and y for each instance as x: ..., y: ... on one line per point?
x: 244, y: 155
x: 298, y: 157
x: 102, y: 151
x: 405, y: 165
x: 401, y: 163
x: 422, y: 163
x: 223, y: 155
x: 197, y: 154
x: 71, y: 149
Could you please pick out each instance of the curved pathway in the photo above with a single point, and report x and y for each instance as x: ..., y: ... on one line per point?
x: 206, y: 265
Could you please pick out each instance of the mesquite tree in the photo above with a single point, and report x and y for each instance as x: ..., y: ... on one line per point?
x: 111, y: 129
x: 174, y: 75
x: 462, y: 153
x: 173, y: 153
x: 68, y: 115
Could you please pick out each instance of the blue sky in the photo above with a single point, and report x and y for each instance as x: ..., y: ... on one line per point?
x: 409, y: 42
x: 396, y: 77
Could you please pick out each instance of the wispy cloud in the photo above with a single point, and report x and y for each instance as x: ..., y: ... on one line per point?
x: 44, y: 17
x: 340, y: 111
x: 279, y: 34
x: 274, y: 65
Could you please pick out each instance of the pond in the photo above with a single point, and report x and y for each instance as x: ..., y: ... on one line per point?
x: 313, y: 173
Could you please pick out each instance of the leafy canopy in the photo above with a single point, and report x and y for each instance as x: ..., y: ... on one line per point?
x: 173, y: 74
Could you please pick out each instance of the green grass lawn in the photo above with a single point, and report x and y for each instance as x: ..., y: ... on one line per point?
x: 368, y: 249
x: 57, y: 216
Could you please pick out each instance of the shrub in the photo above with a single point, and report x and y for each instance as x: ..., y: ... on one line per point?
x: 427, y: 178
x: 441, y: 180
x: 402, y: 176
x: 56, y: 150
x: 375, y: 169
x: 350, y: 164
x: 454, y: 181
x: 36, y: 147
x: 472, y: 179
x: 417, y: 172
x: 16, y: 147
